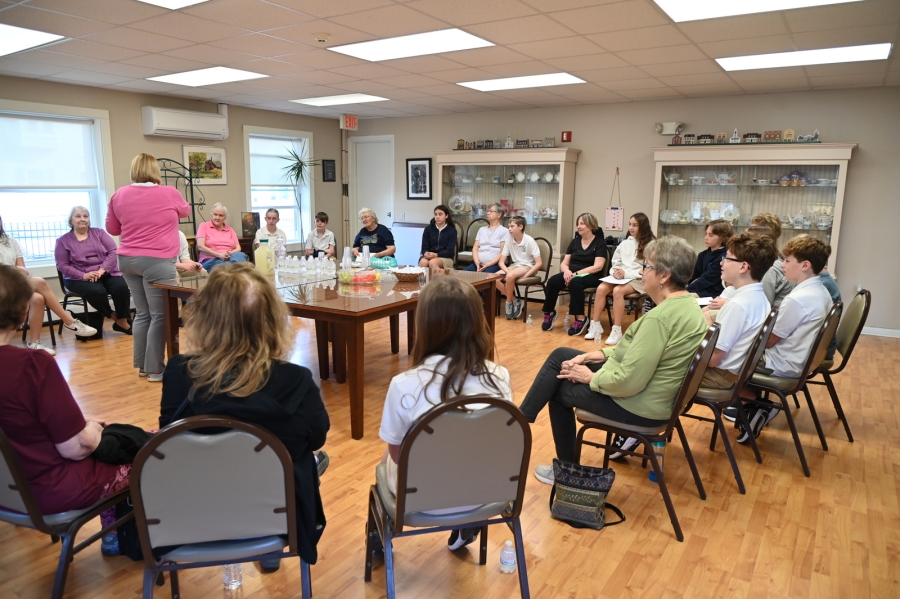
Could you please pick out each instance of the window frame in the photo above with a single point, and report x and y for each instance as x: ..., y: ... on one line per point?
x: 102, y: 156
x: 251, y: 130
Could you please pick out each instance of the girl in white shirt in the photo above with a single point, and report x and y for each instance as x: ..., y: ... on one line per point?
x: 450, y: 358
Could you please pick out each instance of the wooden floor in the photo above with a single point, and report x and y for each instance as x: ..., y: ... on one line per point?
x: 835, y: 535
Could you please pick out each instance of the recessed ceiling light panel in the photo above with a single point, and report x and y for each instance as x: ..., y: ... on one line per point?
x: 173, y: 4
x: 419, y: 44
x: 490, y: 85
x: 806, y: 57
x: 17, y: 39
x: 694, y: 10
x: 339, y: 100
x: 210, y: 76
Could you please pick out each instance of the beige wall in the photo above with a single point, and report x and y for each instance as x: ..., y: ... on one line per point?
x: 128, y: 139
x: 611, y: 135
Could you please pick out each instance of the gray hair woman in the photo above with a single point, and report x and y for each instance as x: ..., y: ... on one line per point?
x: 487, y: 251
x: 373, y: 234
x: 217, y: 243
x: 86, y: 257
x: 610, y: 382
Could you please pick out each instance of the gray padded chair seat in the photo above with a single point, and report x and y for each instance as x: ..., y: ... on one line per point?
x: 20, y: 519
x: 585, y: 416
x: 534, y: 280
x: 774, y: 382
x: 826, y: 365
x: 222, y: 550
x: 716, y: 395
x: 421, y: 519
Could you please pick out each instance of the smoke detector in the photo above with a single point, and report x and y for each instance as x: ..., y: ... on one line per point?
x: 321, y: 37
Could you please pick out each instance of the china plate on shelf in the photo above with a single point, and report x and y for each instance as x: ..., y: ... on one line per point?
x: 731, y: 214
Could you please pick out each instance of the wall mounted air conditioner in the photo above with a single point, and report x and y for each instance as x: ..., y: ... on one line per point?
x: 167, y: 122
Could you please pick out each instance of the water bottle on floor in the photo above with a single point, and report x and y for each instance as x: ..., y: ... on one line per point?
x: 529, y: 322
x: 508, y: 558
x: 567, y: 322
x: 231, y: 576
x: 659, y: 448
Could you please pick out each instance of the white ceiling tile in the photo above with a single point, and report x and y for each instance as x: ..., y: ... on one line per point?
x: 694, y: 91
x: 632, y: 84
x: 601, y: 75
x: 689, y: 67
x: 553, y: 100
x: 459, y: 75
x: 322, y: 59
x: 668, y: 54
x: 255, y: 15
x: 20, y: 68
x: 71, y: 61
x: 511, y: 31
x: 364, y: 87
x: 424, y: 64
x: 237, y: 87
x: 90, y: 77
x: 94, y: 50
x: 752, y: 45
x: 470, y: 12
x: 189, y: 27
x: 166, y: 63
x: 321, y: 77
x: 840, y: 16
x: 664, y: 93
x: 303, y: 33
x: 210, y: 55
x: 137, y: 39
x: 638, y: 39
x: 486, y: 56
x: 267, y: 66
x: 447, y: 89
x: 632, y: 14
x: 390, y: 21
x: 850, y: 36
x: 703, y: 79
x: 198, y: 92
x: 729, y: 28
x: 272, y: 83
x: 847, y: 68
x: 258, y: 44
x: 520, y: 69
x: 775, y: 85
x: 556, y: 5
x: 788, y: 73
x: 525, y: 95
x: 497, y: 103
x: 409, y: 80
x: 368, y: 71
x: 109, y: 11
x: 894, y: 65
x: 861, y: 79
x: 50, y: 22
x: 606, y: 60
x: 126, y: 70
x: 332, y: 7
x: 248, y: 100
x: 556, y: 48
x: 598, y: 97
x: 147, y: 86
x: 402, y: 94
x: 892, y: 79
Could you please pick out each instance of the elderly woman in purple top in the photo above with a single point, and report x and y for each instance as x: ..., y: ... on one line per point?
x: 86, y: 257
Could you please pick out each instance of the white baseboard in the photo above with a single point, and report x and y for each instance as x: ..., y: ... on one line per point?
x: 894, y: 333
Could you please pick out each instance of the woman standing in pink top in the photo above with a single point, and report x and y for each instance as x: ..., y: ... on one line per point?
x: 145, y: 215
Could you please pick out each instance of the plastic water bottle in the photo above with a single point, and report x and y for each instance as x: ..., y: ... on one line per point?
x: 567, y: 322
x: 529, y: 322
x: 347, y: 260
x: 659, y: 448
x: 597, y: 341
x: 231, y: 576
x: 508, y: 558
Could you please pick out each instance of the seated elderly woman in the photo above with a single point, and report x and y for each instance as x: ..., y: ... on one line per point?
x: 636, y: 381
x: 86, y: 257
x: 217, y: 243
x: 44, y: 424
x: 376, y: 236
x: 239, y: 337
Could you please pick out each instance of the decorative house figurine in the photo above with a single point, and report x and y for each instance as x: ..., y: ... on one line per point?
x: 521, y: 143
x: 479, y: 145
x: 789, y: 135
x: 549, y: 142
x: 752, y: 138
x: 460, y: 144
x: 721, y: 138
x: 706, y: 138
x: 735, y: 139
x: 810, y: 139
x: 690, y: 139
x: 676, y: 140
x: 537, y: 143
x: 488, y: 144
x: 509, y: 142
x: 497, y: 144
x: 470, y: 145
x: 772, y: 136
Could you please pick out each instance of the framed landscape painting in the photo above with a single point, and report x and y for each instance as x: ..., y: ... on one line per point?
x: 207, y: 164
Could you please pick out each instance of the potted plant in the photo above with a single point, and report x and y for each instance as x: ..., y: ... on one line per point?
x: 298, y: 171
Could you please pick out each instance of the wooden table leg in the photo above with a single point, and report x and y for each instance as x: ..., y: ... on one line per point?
x: 170, y: 312
x: 339, y: 351
x: 490, y: 309
x: 395, y: 333
x: 355, y: 335
x: 410, y: 331
x: 322, y: 347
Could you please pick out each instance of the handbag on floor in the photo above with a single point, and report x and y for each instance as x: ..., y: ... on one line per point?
x: 92, y: 319
x: 578, y: 497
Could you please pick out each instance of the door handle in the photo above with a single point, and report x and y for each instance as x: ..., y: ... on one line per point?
x: 388, y: 213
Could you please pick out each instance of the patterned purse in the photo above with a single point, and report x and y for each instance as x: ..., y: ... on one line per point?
x: 579, y: 494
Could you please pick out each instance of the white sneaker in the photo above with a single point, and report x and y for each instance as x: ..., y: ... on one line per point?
x: 81, y: 329
x: 615, y: 335
x: 544, y: 474
x: 39, y: 345
x: 595, y: 330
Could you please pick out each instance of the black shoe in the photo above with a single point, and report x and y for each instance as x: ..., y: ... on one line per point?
x: 759, y: 418
x: 269, y: 565
x: 461, y: 537
x: 730, y: 413
x: 116, y: 327
x: 322, y: 461
x: 621, y: 442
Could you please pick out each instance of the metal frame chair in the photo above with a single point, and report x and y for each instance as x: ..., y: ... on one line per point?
x: 536, y: 280
x: 21, y: 509
x: 648, y: 435
x: 459, y: 241
x: 719, y: 399
x: 847, y: 335
x: 70, y: 294
x: 444, y: 441
x: 49, y: 322
x: 184, y: 493
x: 636, y: 299
x: 469, y: 241
x: 784, y: 386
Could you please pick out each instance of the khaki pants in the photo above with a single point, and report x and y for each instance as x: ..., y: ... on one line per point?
x: 716, y: 378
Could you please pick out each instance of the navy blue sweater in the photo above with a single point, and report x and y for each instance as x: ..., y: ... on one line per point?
x: 707, y: 279
x: 443, y: 243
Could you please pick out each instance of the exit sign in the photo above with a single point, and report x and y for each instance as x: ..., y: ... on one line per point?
x: 349, y: 122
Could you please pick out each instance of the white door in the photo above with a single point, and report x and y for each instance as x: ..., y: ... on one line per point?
x: 371, y: 178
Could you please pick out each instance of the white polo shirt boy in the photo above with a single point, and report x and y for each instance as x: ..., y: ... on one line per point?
x: 319, y: 242
x: 524, y: 254
x: 740, y: 320
x: 799, y: 318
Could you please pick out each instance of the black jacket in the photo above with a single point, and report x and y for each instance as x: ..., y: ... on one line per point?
x: 291, y: 408
x: 443, y: 243
x: 707, y: 278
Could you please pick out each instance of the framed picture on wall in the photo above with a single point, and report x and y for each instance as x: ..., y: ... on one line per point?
x: 207, y: 164
x: 418, y: 178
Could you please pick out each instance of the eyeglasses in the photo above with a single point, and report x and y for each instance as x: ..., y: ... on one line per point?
x: 724, y: 258
x: 494, y: 211
x: 645, y: 266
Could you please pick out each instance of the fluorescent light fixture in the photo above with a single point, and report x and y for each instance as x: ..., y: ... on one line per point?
x: 173, y: 4
x: 338, y: 100
x: 695, y: 10
x: 800, y: 58
x: 210, y: 76
x: 16, y: 39
x: 491, y: 85
x: 419, y: 44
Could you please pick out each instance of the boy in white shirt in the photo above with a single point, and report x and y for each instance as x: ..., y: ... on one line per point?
x: 526, y: 260
x: 799, y: 318
x: 270, y: 231
x: 320, y: 240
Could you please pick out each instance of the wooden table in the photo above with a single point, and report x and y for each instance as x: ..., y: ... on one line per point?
x: 340, y: 313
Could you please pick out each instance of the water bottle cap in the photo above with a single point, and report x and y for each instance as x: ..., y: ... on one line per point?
x: 509, y: 544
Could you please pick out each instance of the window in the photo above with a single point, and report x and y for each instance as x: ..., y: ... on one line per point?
x: 48, y: 164
x: 271, y: 188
